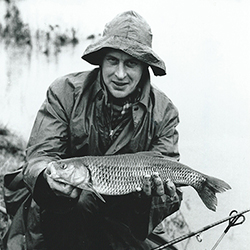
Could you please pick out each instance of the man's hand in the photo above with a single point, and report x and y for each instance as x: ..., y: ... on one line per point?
x: 153, y: 185
x: 158, y: 200
x: 59, y: 188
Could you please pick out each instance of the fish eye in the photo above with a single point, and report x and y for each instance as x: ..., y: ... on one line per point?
x: 48, y: 171
x: 63, y: 166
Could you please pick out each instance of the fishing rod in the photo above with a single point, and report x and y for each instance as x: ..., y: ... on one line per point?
x: 232, y: 218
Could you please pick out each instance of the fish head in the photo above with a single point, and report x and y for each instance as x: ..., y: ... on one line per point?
x: 69, y: 171
x: 77, y: 173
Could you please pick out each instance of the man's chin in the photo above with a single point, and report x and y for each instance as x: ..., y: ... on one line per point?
x: 119, y: 93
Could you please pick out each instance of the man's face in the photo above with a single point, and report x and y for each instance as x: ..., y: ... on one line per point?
x: 121, y: 73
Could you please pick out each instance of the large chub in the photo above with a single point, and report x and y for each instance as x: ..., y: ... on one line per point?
x: 123, y: 174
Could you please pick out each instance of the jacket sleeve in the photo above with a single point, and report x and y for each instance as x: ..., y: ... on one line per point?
x: 166, y: 137
x: 49, y: 136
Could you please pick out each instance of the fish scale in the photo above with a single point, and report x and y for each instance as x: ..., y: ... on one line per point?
x: 123, y: 174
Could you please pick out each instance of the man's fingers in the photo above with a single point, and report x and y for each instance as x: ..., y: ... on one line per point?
x: 170, y: 188
x: 66, y: 190
x: 60, y: 187
x: 146, y: 187
x: 158, y: 184
x: 75, y: 193
x: 154, y: 185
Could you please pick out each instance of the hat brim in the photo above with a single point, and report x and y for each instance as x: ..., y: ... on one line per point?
x: 133, y: 48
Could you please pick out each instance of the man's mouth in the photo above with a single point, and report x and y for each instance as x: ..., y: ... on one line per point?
x: 120, y: 84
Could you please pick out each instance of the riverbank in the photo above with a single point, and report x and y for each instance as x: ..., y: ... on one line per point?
x: 11, y: 157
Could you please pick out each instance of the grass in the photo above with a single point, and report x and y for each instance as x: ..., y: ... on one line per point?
x: 11, y: 158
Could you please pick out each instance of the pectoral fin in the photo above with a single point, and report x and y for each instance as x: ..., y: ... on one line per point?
x: 91, y: 189
x: 98, y: 195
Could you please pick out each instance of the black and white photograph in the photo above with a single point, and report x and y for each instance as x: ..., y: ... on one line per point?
x: 124, y: 125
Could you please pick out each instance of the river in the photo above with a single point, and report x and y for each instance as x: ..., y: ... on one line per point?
x: 205, y: 45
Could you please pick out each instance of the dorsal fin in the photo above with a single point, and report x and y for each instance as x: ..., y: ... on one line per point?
x: 151, y: 154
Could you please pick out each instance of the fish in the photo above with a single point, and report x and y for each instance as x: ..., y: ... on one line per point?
x: 123, y: 174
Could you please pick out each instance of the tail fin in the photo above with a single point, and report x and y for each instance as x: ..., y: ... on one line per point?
x: 212, y: 186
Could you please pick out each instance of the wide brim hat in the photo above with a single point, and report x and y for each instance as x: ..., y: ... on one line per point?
x: 130, y: 33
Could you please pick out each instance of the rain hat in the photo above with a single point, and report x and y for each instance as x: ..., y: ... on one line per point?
x: 130, y: 33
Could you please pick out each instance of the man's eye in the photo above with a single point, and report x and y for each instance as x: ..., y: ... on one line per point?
x: 132, y: 64
x: 112, y: 60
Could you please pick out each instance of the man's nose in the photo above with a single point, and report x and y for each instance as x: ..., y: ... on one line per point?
x: 120, y: 71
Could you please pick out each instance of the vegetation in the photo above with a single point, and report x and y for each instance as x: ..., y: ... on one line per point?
x: 11, y: 158
x: 14, y: 32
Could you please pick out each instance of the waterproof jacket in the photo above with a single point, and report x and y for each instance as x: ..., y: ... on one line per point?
x: 66, y: 126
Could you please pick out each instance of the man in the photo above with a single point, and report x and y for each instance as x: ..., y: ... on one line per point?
x: 112, y: 109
